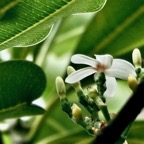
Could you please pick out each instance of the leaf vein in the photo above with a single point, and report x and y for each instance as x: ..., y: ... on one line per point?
x: 39, y: 22
x: 13, y: 107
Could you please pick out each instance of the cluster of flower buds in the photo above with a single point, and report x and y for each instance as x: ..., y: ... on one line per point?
x: 92, y: 102
x: 105, y: 70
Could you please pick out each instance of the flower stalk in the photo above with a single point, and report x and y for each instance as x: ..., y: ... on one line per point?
x: 101, y: 85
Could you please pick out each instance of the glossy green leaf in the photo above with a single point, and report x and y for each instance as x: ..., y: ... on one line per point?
x: 21, y: 82
x: 29, y: 22
x: 5, y: 5
x: 117, y: 29
x: 59, y: 128
x: 136, y: 135
x: 21, y: 110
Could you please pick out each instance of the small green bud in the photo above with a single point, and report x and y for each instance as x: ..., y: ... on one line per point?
x: 125, y: 142
x: 77, y: 85
x: 136, y: 57
x: 132, y: 82
x: 97, y: 124
x: 76, y: 112
x: 70, y: 70
x: 113, y: 115
x: 60, y: 87
x: 92, y: 92
x: 87, y: 119
x: 95, y: 130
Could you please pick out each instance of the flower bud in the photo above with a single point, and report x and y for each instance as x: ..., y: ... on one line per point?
x: 60, y: 86
x: 92, y: 92
x: 76, y: 112
x: 95, y: 130
x: 87, y: 119
x: 113, y: 115
x: 70, y: 70
x: 132, y: 82
x: 136, y: 57
x: 125, y: 142
x: 77, y: 85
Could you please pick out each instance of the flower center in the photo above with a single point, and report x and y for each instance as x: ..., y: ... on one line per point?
x: 101, y: 67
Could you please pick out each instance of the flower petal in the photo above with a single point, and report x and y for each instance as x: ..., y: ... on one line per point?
x: 111, y: 87
x: 80, y: 74
x: 105, y: 60
x: 82, y: 59
x: 121, y: 69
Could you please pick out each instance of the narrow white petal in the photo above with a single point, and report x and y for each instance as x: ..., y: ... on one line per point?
x: 105, y: 60
x: 82, y: 59
x: 111, y: 87
x: 80, y: 74
x: 121, y: 69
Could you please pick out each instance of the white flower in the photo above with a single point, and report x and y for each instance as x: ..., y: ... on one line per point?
x: 113, y: 68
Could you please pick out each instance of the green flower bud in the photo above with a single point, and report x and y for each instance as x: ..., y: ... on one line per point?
x: 76, y: 112
x: 136, y: 57
x: 60, y: 87
x: 70, y: 70
x: 77, y: 85
x: 92, y: 92
x: 125, y: 142
x: 113, y: 115
x: 132, y: 82
x: 87, y: 119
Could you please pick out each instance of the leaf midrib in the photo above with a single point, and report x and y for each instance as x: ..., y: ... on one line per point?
x: 13, y: 107
x: 39, y: 22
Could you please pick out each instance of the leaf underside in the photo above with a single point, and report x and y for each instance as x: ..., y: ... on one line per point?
x: 21, y: 82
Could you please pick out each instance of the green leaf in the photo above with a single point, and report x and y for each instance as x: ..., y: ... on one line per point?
x: 5, y: 5
x: 20, y: 110
x: 59, y: 128
x: 116, y: 30
x: 136, y: 135
x: 21, y: 82
x: 30, y: 21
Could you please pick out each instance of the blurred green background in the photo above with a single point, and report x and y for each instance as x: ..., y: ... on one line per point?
x: 117, y: 29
